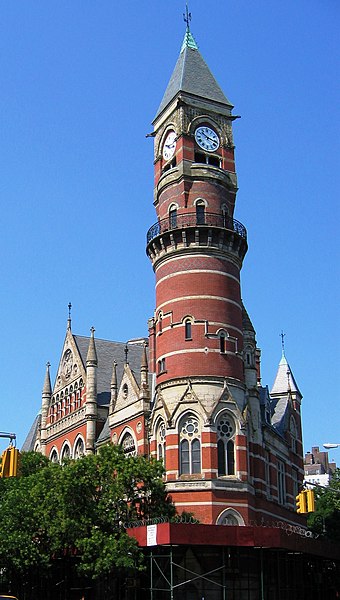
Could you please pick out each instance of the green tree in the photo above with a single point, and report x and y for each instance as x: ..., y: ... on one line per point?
x: 325, y: 521
x: 78, y: 512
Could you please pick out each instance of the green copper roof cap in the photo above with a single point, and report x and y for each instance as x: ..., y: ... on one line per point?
x: 192, y: 75
x: 189, y: 41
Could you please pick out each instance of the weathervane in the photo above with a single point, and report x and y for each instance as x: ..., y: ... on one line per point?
x: 69, y: 316
x: 187, y: 16
x: 283, y: 335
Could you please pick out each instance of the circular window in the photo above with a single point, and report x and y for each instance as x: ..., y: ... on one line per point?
x: 225, y: 428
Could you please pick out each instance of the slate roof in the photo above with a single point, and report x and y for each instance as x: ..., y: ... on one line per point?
x: 30, y: 440
x: 284, y: 380
x: 107, y: 352
x: 192, y: 76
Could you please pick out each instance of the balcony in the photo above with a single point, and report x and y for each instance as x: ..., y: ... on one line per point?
x: 203, y: 220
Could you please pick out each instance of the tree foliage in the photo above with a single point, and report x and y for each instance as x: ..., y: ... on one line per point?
x: 78, y: 509
x: 325, y: 521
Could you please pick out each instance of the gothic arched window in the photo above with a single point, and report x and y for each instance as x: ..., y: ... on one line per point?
x: 225, y: 445
x: 161, y: 443
x: 79, y: 449
x: 189, y: 446
x: 54, y: 456
x: 66, y: 453
x: 128, y: 445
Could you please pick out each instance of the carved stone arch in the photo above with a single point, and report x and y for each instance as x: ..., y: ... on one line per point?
x: 191, y: 397
x: 54, y: 454
x: 230, y: 516
x: 189, y: 446
x: 159, y: 434
x: 201, y: 201
x: 37, y: 446
x: 169, y: 127
x: 226, y: 426
x: 79, y: 447
x: 66, y: 450
x: 205, y: 120
x: 128, y: 441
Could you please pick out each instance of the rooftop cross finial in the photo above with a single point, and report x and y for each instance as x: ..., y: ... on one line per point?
x: 69, y: 316
x: 187, y: 16
x: 283, y: 335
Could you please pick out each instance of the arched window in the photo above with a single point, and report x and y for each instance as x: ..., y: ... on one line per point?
x: 54, y: 456
x: 230, y: 517
x: 161, y: 443
x: 79, y: 449
x: 200, y: 212
x: 188, y: 332
x: 189, y: 446
x: 222, y: 337
x: 66, y: 453
x: 173, y: 216
x: 128, y: 445
x: 225, y: 445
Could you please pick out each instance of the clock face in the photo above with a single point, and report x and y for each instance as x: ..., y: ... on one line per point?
x: 207, y: 138
x: 169, y: 145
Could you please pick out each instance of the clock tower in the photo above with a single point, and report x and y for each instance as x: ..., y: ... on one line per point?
x: 197, y: 336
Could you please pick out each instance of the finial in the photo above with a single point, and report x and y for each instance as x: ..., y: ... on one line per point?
x: 69, y: 316
x: 48, y: 364
x: 126, y: 350
x: 187, y: 16
x: 283, y: 335
x: 92, y: 331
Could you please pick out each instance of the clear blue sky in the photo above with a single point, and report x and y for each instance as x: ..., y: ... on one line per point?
x: 80, y: 84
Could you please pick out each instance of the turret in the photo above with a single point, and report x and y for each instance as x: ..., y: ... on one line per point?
x: 45, y: 405
x: 91, y: 394
x: 113, y: 388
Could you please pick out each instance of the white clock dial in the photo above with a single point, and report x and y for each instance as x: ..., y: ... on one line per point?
x: 169, y: 145
x: 207, y: 138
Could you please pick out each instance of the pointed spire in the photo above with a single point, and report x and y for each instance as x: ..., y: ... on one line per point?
x: 91, y: 353
x: 114, y: 387
x: 284, y: 380
x: 192, y: 76
x: 47, y: 389
x: 144, y: 393
x: 69, y: 317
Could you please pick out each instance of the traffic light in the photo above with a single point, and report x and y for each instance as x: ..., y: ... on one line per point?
x: 9, y: 462
x: 310, y: 501
x: 301, y: 502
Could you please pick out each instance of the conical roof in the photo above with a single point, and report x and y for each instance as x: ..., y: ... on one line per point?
x: 192, y: 76
x: 284, y: 380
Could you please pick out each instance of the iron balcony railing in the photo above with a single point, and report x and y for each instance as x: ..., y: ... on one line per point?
x: 181, y: 220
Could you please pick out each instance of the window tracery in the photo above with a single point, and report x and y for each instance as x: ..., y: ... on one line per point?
x: 190, y: 445
x: 225, y: 445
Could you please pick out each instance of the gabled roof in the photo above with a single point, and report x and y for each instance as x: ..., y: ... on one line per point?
x: 192, y: 76
x: 284, y: 380
x: 107, y: 352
